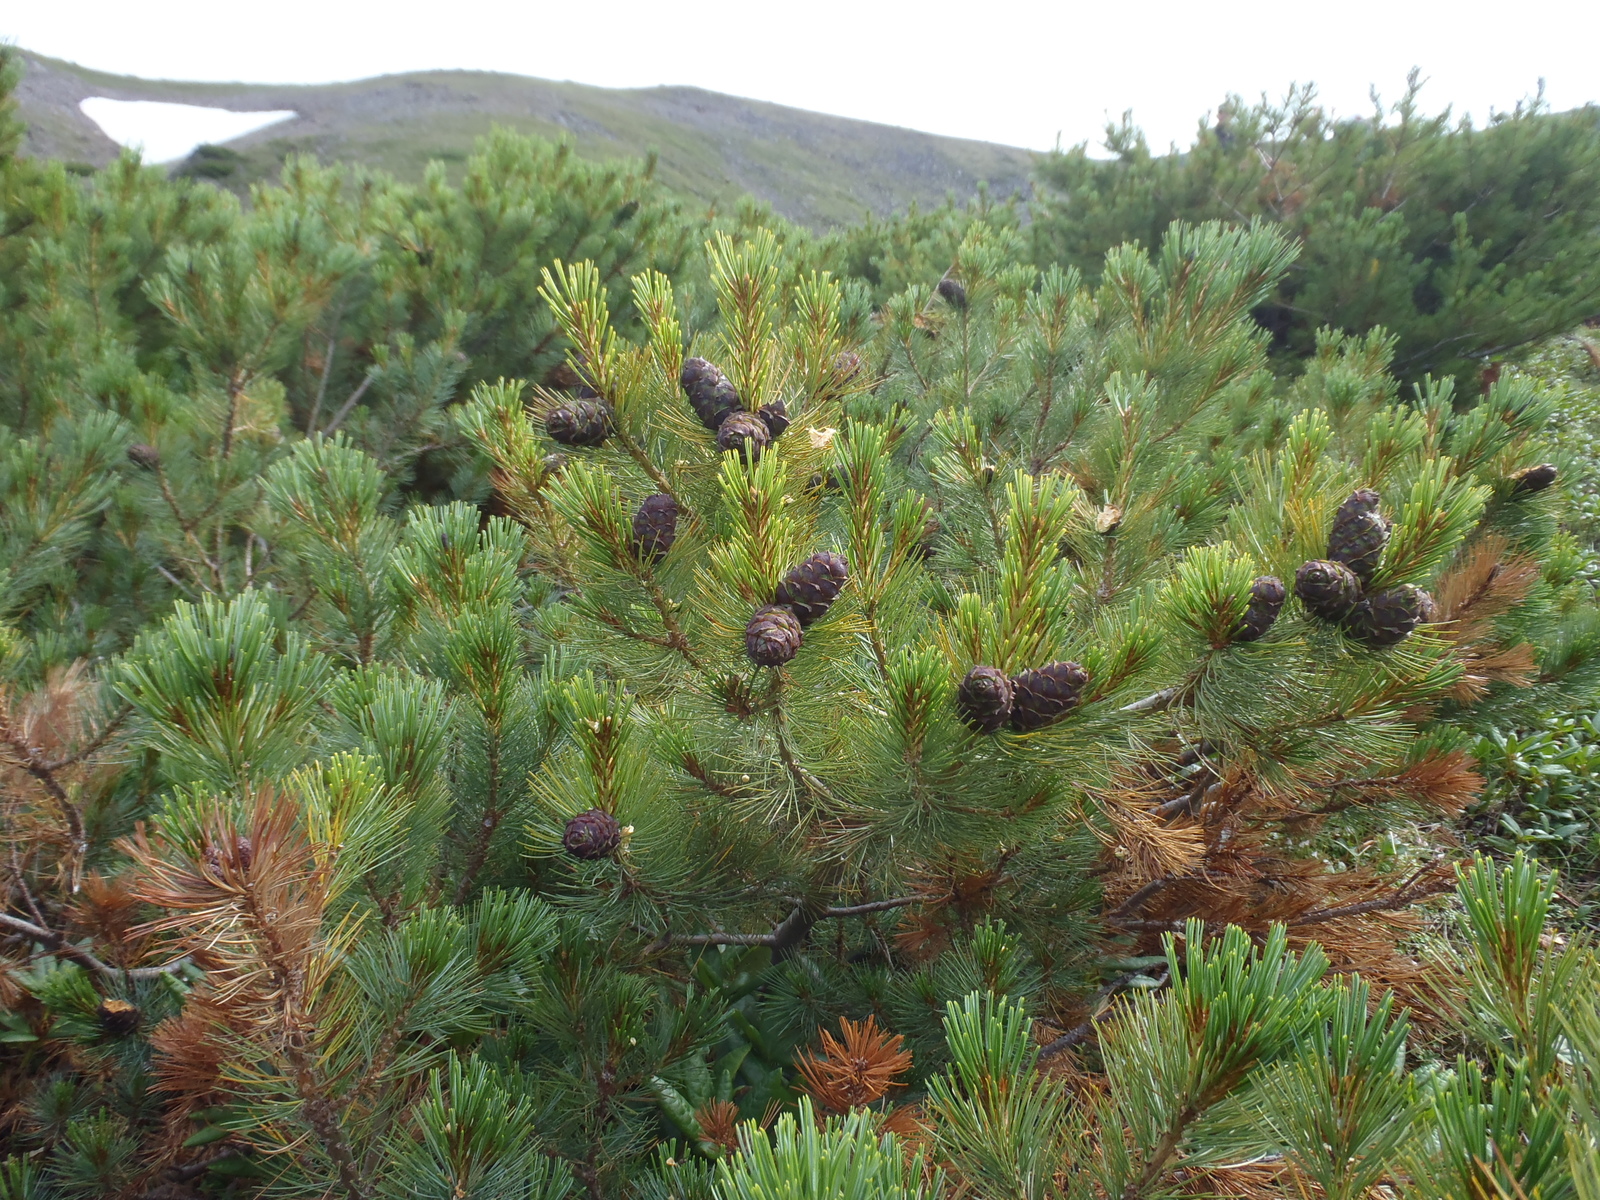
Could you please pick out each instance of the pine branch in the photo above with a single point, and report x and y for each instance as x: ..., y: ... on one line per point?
x: 1162, y: 1154
x: 346, y: 408
x: 58, y: 945
x: 791, y: 931
x: 487, y: 826
x: 1400, y: 899
x: 875, y: 906
x: 236, y: 384
x: 669, y: 621
x: 29, y: 759
x: 94, y: 744
x: 1407, y: 894
x: 191, y: 1171
x: 645, y: 464
x: 1155, y: 702
x: 187, y: 526
x: 1085, y: 1029
x: 327, y: 369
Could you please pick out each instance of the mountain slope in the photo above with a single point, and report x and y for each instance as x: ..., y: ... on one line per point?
x: 815, y: 169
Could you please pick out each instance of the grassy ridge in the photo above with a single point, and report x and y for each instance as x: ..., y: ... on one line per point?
x: 816, y: 169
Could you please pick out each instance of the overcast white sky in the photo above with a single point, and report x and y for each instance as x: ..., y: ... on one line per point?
x: 1011, y: 71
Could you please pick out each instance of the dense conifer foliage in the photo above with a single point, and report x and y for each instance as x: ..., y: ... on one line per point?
x: 507, y: 690
x: 1465, y: 243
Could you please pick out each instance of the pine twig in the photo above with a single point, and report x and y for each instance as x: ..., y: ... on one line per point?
x: 874, y: 906
x: 792, y: 929
x: 29, y: 759
x: 94, y: 744
x: 1404, y: 896
x: 638, y: 455
x: 345, y: 409
x: 479, y: 853
x: 1155, y: 702
x: 236, y: 385
x: 58, y: 945
x: 1085, y: 1029
x: 190, y: 1171
x: 1400, y: 899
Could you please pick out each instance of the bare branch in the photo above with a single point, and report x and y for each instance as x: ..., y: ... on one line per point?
x: 58, y: 945
x: 1085, y: 1029
x: 792, y: 929
x: 93, y: 745
x: 1154, y: 702
x: 29, y: 759
x: 345, y: 409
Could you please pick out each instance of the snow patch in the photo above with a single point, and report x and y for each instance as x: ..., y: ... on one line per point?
x: 166, y: 132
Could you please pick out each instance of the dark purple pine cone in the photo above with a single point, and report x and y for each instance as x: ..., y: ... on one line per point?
x: 813, y: 585
x: 141, y: 455
x: 217, y: 858
x: 746, y: 433
x: 984, y: 699
x: 955, y: 295
x: 710, y: 393
x: 1266, y: 600
x: 773, y: 636
x: 1329, y: 590
x: 1045, y: 694
x: 1359, y: 534
x: 592, y: 835
x: 579, y: 423
x: 1387, y: 617
x: 572, y: 377
x: 655, y: 527
x: 563, y: 375
x: 1526, y: 481
x: 776, y: 417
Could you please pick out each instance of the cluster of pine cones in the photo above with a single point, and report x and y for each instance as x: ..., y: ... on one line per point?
x: 1334, y: 589
x: 716, y: 402
x: 988, y: 698
x: 777, y: 630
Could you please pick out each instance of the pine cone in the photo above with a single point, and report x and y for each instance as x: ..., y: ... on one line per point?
x: 579, y: 423
x: 592, y: 835
x: 955, y: 295
x: 655, y: 527
x: 1359, y: 534
x: 773, y: 636
x: 1526, y: 481
x: 1329, y: 590
x: 117, y: 1017
x: 1390, y: 616
x: 746, y: 433
x: 710, y: 393
x: 813, y: 585
x: 820, y: 482
x: 1045, y: 694
x: 776, y: 417
x: 141, y: 455
x: 1266, y: 599
x: 847, y: 366
x: 984, y: 699
x: 562, y: 376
